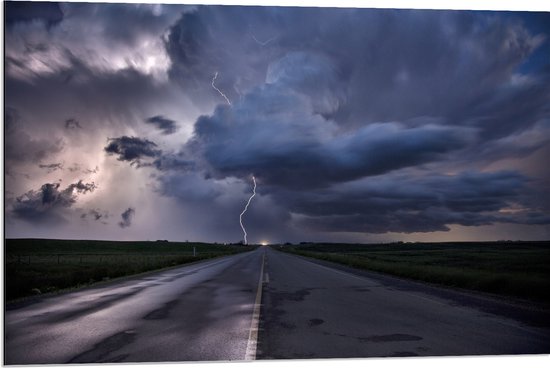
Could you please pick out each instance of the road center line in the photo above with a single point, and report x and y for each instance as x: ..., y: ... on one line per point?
x: 253, y: 335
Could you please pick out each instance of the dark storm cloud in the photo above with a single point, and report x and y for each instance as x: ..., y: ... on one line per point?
x: 351, y: 94
x: 71, y: 80
x: 421, y: 73
x: 81, y: 187
x: 135, y: 150
x: 72, y: 124
x: 174, y: 161
x: 277, y: 134
x: 291, y: 156
x: 401, y: 203
x: 349, y: 118
x: 387, y: 71
x: 100, y: 27
x: 103, y: 60
x: 510, y: 110
x: 205, y: 198
x: 18, y: 11
x: 288, y: 131
x: 49, y: 203
x: 132, y: 149
x: 221, y: 39
x: 188, y: 188
x: 167, y: 126
x: 51, y: 167
x: 127, y: 217
x: 96, y: 215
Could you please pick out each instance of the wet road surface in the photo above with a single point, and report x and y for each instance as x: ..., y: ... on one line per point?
x: 195, y: 312
x: 313, y: 309
x: 209, y: 311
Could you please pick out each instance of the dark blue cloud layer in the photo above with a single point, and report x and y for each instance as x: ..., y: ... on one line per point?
x: 49, y: 204
x: 165, y: 125
x: 352, y: 120
x: 18, y: 11
x: 132, y: 149
x: 409, y: 203
x: 361, y: 94
x: 293, y: 153
x: 127, y: 217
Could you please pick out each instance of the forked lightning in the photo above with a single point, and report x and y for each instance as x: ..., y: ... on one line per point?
x: 245, y: 208
x: 220, y: 92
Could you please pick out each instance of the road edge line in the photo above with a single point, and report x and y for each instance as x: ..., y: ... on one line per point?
x: 253, y: 334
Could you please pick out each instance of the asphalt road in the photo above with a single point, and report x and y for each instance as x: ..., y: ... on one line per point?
x: 312, y: 309
x: 210, y: 311
x: 195, y: 312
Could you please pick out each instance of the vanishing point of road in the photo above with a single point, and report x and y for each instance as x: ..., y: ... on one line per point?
x: 266, y: 304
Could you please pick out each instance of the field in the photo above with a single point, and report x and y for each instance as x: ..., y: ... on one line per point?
x: 37, y: 266
x: 517, y: 269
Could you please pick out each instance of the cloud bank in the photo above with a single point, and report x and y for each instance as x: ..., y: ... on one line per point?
x: 355, y: 122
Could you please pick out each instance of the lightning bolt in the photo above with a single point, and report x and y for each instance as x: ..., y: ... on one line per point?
x: 265, y: 42
x: 220, y: 92
x: 245, y: 208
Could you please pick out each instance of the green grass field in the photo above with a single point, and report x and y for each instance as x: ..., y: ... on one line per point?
x: 37, y: 266
x: 517, y: 269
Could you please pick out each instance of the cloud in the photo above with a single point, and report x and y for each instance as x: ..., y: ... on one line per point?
x: 81, y: 187
x: 20, y: 146
x: 349, y: 120
x: 216, y: 204
x: 453, y: 65
x: 277, y: 133
x: 175, y: 161
x: 96, y: 215
x: 117, y: 37
x: 72, y: 124
x: 135, y: 150
x: 132, y: 149
x: 49, y: 203
x: 167, y: 126
x: 349, y: 107
x: 75, y: 167
x: 20, y: 12
x: 189, y: 187
x: 197, y: 47
x: 51, y: 167
x: 127, y: 217
x: 312, y: 74
x: 403, y: 203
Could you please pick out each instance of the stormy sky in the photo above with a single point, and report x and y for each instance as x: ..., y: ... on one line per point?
x: 132, y: 121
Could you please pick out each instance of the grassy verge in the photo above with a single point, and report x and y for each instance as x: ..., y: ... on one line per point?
x: 37, y: 266
x: 511, y: 269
